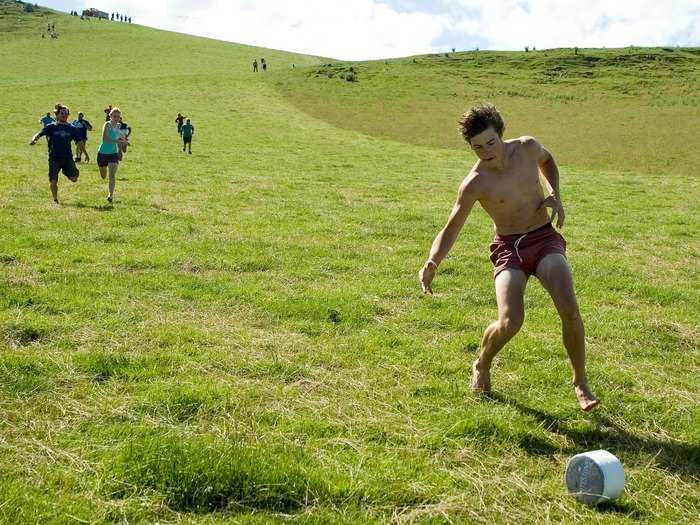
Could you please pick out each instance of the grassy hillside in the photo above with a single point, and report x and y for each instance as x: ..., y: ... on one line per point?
x: 241, y: 338
x: 634, y: 109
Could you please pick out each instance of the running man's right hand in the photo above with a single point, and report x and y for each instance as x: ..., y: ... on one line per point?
x: 426, y: 276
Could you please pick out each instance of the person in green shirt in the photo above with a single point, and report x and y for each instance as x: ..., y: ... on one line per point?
x: 109, y: 153
x: 187, y: 133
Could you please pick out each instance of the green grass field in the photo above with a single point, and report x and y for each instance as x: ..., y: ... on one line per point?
x: 241, y: 338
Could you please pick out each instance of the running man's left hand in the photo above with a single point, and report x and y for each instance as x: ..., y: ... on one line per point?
x: 426, y: 276
x: 557, y: 209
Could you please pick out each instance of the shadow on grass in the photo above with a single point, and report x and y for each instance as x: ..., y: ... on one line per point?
x: 683, y: 458
x: 96, y: 207
x: 617, y: 507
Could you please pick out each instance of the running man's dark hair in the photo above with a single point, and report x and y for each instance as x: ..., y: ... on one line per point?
x: 478, y: 119
x: 58, y: 107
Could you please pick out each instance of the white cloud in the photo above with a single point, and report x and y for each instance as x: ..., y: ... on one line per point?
x: 366, y: 29
x: 512, y: 24
x: 361, y: 29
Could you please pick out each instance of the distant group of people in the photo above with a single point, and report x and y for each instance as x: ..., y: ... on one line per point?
x: 120, y: 18
x: 186, y: 130
x: 59, y: 133
x: 263, y: 64
x: 50, y: 30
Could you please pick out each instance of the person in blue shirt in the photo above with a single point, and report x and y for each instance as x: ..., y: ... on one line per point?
x: 60, y: 134
x: 46, y: 120
x: 83, y: 125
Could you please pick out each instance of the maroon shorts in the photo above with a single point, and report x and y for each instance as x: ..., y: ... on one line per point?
x: 524, y: 251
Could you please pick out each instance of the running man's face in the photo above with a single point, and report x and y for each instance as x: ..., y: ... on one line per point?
x: 488, y: 146
x: 114, y: 116
x: 63, y: 115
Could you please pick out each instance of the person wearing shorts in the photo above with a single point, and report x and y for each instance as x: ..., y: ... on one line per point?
x: 506, y: 182
x: 187, y: 133
x: 179, y: 120
x: 524, y: 251
x: 109, y: 152
x: 60, y: 135
x: 83, y: 125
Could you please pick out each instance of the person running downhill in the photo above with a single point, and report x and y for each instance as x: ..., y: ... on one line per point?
x: 46, y: 120
x: 125, y: 131
x: 109, y: 154
x: 506, y: 182
x: 187, y: 133
x: 179, y: 120
x: 59, y: 134
x: 83, y: 126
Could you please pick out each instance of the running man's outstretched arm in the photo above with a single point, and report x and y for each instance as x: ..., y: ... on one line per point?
x: 448, y: 235
x: 37, y: 136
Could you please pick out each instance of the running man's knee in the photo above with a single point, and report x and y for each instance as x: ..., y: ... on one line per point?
x: 569, y: 311
x: 511, y: 323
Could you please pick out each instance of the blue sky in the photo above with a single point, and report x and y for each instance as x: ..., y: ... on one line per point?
x: 369, y: 29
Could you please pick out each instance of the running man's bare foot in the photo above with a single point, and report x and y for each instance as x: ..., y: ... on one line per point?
x: 586, y: 398
x: 481, y: 379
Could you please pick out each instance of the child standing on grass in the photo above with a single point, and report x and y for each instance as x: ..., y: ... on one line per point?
x: 109, y: 153
x: 60, y: 135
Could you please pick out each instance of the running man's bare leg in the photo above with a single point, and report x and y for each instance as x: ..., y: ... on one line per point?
x: 554, y: 273
x: 103, y: 171
x: 112, y: 179
x: 510, y: 291
x: 54, y: 189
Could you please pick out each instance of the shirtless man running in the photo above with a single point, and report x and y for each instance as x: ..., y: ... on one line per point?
x: 506, y: 182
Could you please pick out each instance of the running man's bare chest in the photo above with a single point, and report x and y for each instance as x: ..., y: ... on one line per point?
x: 512, y: 190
